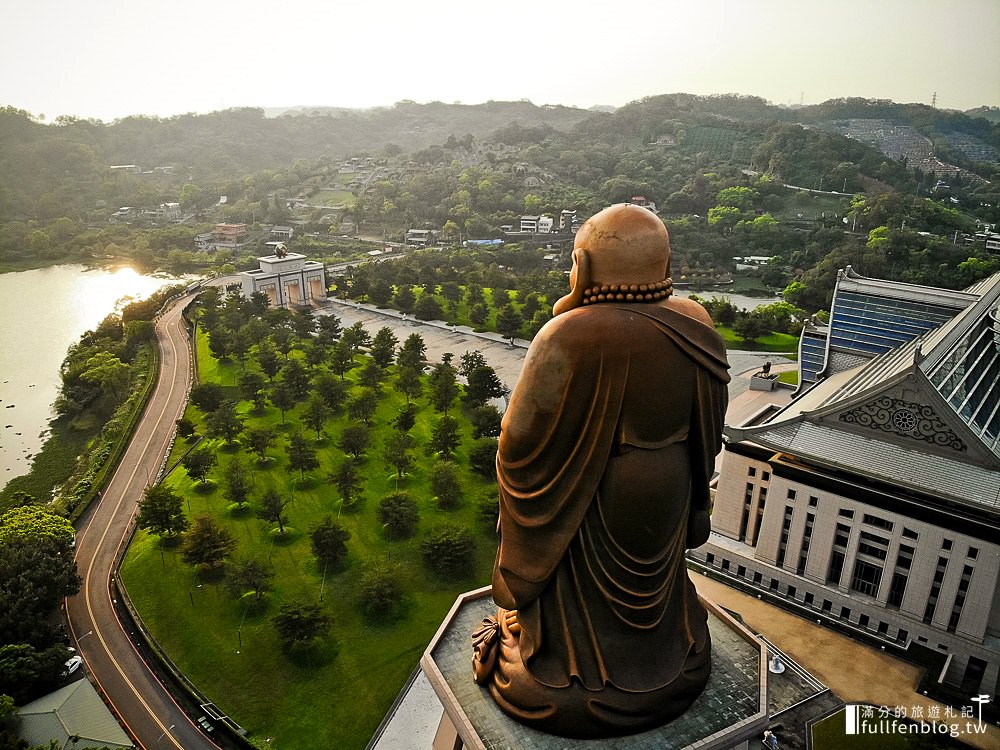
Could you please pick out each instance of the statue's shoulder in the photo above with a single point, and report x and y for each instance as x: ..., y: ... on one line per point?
x: 690, y: 308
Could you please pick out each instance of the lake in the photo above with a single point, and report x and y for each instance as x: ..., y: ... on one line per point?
x: 42, y: 313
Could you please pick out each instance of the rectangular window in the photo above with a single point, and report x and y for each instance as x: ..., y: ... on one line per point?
x: 757, y: 577
x: 897, y: 589
x: 883, y: 628
x: 910, y: 533
x: 972, y: 554
x: 827, y: 605
x: 946, y: 544
x: 905, y: 557
x: 752, y: 471
x: 813, y: 501
x: 791, y: 494
x: 863, y: 621
x: 882, y: 523
x: 725, y: 564
x: 709, y: 558
x: 765, y: 476
x: 845, y: 613
x: 741, y: 571
x: 846, y: 513
x: 843, y: 535
x: 836, y: 568
x: 866, y: 578
x: 873, y: 545
x: 902, y: 635
x: 774, y: 584
x: 808, y: 598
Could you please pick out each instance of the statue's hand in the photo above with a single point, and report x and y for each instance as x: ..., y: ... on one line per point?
x: 510, y: 618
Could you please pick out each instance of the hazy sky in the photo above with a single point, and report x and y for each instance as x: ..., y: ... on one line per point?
x: 111, y: 58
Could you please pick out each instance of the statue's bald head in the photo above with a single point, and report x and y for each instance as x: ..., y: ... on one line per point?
x: 626, y: 244
x: 623, y: 245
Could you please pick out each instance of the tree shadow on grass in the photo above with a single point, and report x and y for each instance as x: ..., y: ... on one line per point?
x: 171, y: 541
x: 283, y: 540
x: 314, y: 656
x: 229, y: 448
x: 205, y: 488
x: 235, y: 510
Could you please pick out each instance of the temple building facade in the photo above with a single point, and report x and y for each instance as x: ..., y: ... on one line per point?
x: 871, y: 502
x: 288, y: 279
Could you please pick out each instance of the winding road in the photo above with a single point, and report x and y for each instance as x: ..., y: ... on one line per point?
x: 110, y: 649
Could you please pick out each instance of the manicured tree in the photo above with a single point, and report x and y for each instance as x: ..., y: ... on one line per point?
x: 470, y: 361
x: 445, y: 485
x: 448, y: 550
x: 303, y: 323
x: 299, y: 624
x: 284, y: 338
x: 238, y: 482
x: 406, y: 418
x: 483, y: 458
x: 207, y: 396
x: 272, y: 508
x: 198, y: 463
x: 372, y: 376
x: 252, y: 385
x: 489, y: 510
x: 207, y: 543
x: 474, y: 295
x: 485, y: 421
x: 301, y: 455
x: 446, y: 438
x: 362, y: 407
x: 251, y: 576
x: 259, y: 439
x: 399, y: 515
x: 342, y: 358
x: 483, y: 384
x: 509, y: 321
x: 329, y: 328
x: 443, y: 383
x: 283, y: 398
x: 479, y: 314
x: 295, y: 375
x: 397, y: 452
x: 316, y: 413
x: 347, y: 479
x: 357, y: 337
x: 404, y: 298
x: 355, y: 439
x: 331, y: 389
x: 409, y: 384
x: 383, y: 350
x: 328, y: 540
x: 268, y: 359
x: 161, y: 511
x: 185, y: 428
x: 317, y: 353
x: 381, y: 590
x: 452, y: 293
x: 501, y: 298
x: 225, y: 423
x: 413, y: 353
x: 428, y: 308
x: 380, y: 293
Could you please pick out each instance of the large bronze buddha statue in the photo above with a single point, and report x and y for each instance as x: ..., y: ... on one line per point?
x: 605, y: 457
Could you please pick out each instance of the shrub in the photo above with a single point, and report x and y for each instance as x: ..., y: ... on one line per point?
x: 399, y: 514
x: 381, y: 592
x: 448, y: 550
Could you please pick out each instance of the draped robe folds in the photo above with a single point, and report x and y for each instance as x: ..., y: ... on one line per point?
x: 605, y: 456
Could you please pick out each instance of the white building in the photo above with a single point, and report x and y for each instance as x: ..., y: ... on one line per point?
x: 288, y: 279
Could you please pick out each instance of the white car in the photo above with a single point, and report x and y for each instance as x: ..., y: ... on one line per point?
x: 73, y: 663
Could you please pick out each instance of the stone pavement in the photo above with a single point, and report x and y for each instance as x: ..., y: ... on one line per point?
x: 505, y: 358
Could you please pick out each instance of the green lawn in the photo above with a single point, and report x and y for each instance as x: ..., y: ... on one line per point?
x: 831, y: 734
x: 335, y: 695
x: 782, y: 343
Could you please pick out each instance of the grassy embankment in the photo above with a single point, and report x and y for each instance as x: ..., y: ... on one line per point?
x: 336, y: 694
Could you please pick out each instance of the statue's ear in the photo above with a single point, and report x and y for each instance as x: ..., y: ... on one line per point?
x: 581, y: 281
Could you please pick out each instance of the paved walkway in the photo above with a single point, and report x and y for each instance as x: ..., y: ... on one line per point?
x: 855, y: 672
x: 503, y: 357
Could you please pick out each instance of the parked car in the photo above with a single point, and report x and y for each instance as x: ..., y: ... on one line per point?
x: 73, y: 663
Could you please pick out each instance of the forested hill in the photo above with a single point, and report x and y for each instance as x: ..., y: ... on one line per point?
x: 63, y: 168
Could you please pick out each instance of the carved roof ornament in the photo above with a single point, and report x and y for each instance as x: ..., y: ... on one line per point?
x: 906, y: 418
